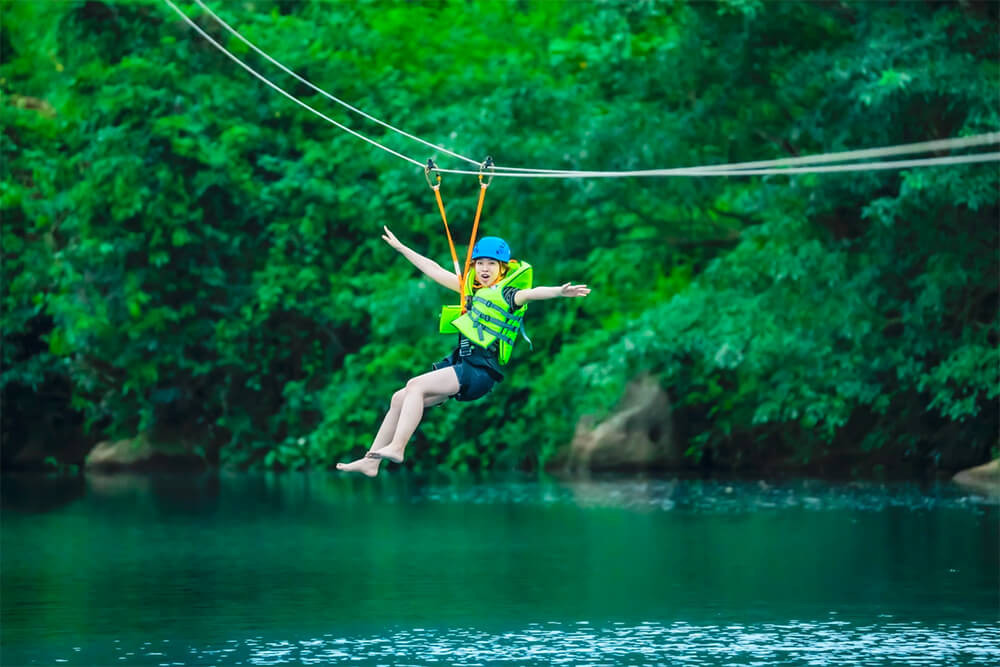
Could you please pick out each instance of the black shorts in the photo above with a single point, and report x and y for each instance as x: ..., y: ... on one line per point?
x: 473, y: 381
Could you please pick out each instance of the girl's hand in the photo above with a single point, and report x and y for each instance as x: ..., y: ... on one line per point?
x: 391, y: 239
x: 574, y: 290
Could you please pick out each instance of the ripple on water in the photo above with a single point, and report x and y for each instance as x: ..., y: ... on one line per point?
x: 791, y: 643
x: 712, y: 496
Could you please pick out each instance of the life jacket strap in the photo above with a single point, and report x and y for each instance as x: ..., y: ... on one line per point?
x: 507, y: 332
x: 524, y: 334
x: 478, y: 315
x: 503, y: 311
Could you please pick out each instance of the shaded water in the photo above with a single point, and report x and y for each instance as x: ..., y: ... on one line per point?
x: 322, y: 568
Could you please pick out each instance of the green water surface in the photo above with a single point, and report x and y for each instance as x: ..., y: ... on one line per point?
x: 325, y: 568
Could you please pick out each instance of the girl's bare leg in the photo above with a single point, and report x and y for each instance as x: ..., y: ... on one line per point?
x: 422, y: 391
x: 369, y: 464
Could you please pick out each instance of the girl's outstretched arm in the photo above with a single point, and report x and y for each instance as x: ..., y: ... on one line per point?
x: 428, y: 267
x: 540, y: 293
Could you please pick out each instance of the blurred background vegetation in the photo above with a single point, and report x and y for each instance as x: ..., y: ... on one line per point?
x: 190, y: 256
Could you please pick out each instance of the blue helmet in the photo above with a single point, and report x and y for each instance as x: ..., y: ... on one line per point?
x: 492, y: 247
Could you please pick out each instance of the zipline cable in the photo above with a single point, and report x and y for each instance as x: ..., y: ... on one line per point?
x: 737, y: 169
x: 288, y: 95
x: 319, y: 90
x: 720, y: 171
x: 844, y: 156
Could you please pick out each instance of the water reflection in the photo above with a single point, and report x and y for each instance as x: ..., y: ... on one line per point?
x: 712, y: 496
x: 40, y: 493
x: 194, y: 493
x: 199, y: 493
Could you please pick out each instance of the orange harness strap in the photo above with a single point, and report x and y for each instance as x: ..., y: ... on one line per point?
x: 475, y: 230
x: 486, y: 165
x: 436, y: 187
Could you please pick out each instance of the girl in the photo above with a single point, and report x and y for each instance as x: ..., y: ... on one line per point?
x: 496, y: 292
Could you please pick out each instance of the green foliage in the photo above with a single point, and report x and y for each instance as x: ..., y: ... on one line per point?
x: 189, y: 254
x: 875, y: 321
x: 53, y: 465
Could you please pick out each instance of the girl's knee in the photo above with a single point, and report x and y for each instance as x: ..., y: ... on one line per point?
x: 414, y: 387
x: 400, y: 395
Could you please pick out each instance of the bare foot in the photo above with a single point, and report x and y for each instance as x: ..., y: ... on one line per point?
x: 390, y: 453
x: 367, y: 465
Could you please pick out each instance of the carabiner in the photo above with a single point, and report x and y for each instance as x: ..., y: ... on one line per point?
x: 486, y: 165
x: 431, y: 167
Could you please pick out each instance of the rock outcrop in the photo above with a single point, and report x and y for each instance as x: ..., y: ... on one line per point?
x: 982, y: 479
x: 638, y: 434
x: 141, y: 454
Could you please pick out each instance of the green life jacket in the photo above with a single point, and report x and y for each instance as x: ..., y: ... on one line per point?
x: 488, y: 318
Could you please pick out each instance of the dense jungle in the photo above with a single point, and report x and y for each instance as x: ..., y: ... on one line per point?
x: 190, y: 257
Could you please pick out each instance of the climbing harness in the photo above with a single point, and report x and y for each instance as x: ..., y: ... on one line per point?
x: 433, y: 176
x: 487, y: 319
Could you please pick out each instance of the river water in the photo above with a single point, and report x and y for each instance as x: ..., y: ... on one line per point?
x: 321, y: 568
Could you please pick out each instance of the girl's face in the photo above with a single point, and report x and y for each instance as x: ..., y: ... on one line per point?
x: 487, y: 270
